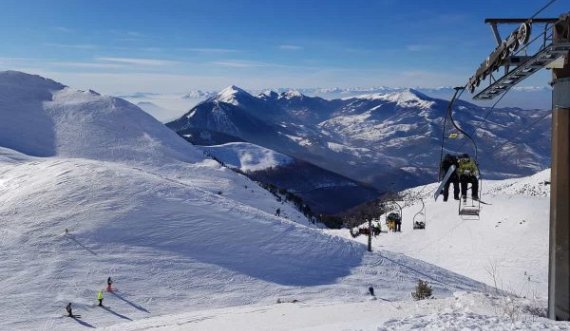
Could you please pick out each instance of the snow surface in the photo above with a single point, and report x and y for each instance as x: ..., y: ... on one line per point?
x: 247, y: 157
x: 463, y: 311
x: 407, y: 98
x: 178, y: 233
x: 511, y: 235
x: 228, y: 95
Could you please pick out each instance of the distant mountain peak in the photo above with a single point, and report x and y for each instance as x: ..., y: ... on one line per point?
x: 268, y: 94
x: 231, y: 95
x: 404, y: 98
x: 232, y: 89
x: 413, y: 93
x: 291, y: 94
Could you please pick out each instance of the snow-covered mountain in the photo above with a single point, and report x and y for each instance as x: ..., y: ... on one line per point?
x: 173, y: 105
x: 323, y: 191
x: 92, y: 187
x: 389, y: 140
x: 529, y: 97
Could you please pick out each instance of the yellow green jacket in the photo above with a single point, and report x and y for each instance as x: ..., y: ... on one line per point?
x: 100, y: 295
x: 467, y: 167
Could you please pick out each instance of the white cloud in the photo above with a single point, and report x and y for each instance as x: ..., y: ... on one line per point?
x: 239, y: 64
x: 136, y: 61
x: 63, y: 29
x: 291, y: 47
x: 89, y: 65
x: 210, y: 50
x: 77, y: 46
x: 420, y: 47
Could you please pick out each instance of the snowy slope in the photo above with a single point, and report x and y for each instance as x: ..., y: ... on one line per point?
x: 463, y: 311
x: 248, y: 157
x: 511, y: 236
x: 170, y: 246
x: 174, y: 229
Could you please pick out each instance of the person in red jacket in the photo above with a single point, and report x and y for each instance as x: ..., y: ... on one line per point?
x: 109, y: 283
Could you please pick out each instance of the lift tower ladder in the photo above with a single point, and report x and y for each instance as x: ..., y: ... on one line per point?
x: 540, y: 60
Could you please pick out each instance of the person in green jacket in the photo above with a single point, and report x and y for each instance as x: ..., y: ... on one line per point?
x: 100, y: 298
x: 468, y: 173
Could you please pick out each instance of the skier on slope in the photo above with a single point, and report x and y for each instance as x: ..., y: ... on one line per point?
x: 468, y: 173
x: 100, y: 298
x: 447, y: 162
x: 109, y: 283
x: 68, y: 310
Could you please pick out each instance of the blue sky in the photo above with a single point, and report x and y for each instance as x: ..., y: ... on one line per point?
x: 172, y: 46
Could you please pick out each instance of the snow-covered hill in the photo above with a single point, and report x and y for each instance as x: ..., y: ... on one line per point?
x: 507, y: 247
x: 248, y: 157
x: 92, y: 187
x: 323, y: 191
x: 391, y: 140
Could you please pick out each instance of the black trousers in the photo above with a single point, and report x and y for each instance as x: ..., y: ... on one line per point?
x: 455, y: 180
x: 466, y: 179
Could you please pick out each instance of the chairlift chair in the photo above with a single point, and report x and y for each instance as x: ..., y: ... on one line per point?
x: 419, y: 219
x: 395, y: 214
x: 469, y: 209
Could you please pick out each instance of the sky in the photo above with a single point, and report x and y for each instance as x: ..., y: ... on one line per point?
x: 128, y: 46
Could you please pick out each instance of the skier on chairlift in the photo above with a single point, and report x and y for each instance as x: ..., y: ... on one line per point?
x: 447, y: 162
x: 468, y: 173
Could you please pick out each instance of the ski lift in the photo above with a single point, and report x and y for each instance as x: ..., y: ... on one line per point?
x: 469, y: 208
x: 473, y: 208
x: 394, y: 215
x: 419, y: 220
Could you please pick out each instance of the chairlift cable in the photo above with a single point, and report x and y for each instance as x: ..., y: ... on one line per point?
x: 523, y: 130
x: 439, y: 176
x: 486, y: 116
x: 458, y: 92
x: 542, y: 34
x: 543, y: 8
x: 450, y: 112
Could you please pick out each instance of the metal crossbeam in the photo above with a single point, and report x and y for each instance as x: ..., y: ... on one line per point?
x: 540, y: 60
x: 519, y: 20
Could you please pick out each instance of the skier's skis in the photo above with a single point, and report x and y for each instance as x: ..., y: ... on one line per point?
x: 74, y: 316
x: 448, y: 174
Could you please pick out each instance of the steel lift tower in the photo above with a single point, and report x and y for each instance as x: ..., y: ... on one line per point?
x: 552, y: 53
